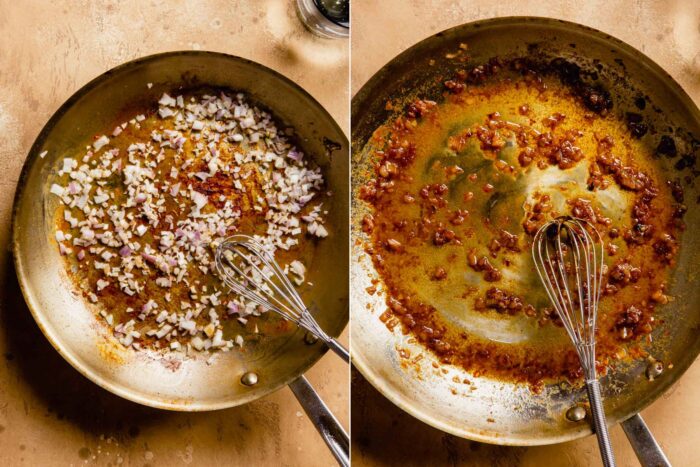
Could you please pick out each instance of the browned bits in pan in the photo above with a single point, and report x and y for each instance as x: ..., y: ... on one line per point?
x: 368, y: 191
x: 636, y: 125
x: 454, y: 87
x: 444, y: 213
x: 453, y: 171
x: 500, y: 301
x: 419, y: 108
x: 666, y: 248
x: 394, y: 245
x: 667, y: 147
x: 624, y: 273
x: 553, y: 120
x: 676, y: 190
x: 490, y: 139
x: 368, y: 224
x: 459, y: 216
x: 583, y: 209
x: 442, y: 236
x: 659, y: 296
x: 631, y: 322
x: 526, y: 156
x: 482, y: 264
x: 439, y: 274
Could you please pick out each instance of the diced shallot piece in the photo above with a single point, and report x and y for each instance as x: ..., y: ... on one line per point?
x: 167, y: 101
x: 100, y: 142
x: 57, y: 190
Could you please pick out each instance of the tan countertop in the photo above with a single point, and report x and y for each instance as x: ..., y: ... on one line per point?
x: 669, y: 33
x: 50, y: 414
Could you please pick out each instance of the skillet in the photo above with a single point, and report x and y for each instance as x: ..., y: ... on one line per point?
x: 165, y: 380
x: 494, y: 411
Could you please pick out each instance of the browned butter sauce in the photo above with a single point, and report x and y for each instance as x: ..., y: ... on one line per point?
x: 460, y: 187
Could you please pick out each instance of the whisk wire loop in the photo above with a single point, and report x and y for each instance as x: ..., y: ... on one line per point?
x: 249, y: 270
x: 568, y: 256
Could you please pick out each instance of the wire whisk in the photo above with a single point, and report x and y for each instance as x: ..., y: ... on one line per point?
x: 251, y: 272
x: 568, y: 255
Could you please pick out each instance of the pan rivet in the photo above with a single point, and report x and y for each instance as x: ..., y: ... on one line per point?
x: 310, y: 339
x: 576, y: 413
x: 654, y: 370
x: 249, y: 378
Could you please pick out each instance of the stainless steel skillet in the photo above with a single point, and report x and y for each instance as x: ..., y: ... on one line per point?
x: 496, y: 412
x: 168, y: 381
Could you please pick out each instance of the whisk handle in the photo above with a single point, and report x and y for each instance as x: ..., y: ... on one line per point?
x: 339, y: 350
x: 601, y: 428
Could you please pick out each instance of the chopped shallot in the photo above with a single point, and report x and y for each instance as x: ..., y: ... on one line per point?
x: 168, y: 183
x: 100, y: 142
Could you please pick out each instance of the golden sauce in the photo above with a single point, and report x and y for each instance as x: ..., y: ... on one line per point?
x: 458, y: 191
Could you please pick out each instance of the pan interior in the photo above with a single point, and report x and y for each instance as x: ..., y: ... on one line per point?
x: 484, y: 408
x: 169, y: 380
x: 478, y: 191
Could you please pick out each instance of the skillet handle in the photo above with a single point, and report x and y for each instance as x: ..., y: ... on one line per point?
x: 325, y: 422
x: 645, y: 446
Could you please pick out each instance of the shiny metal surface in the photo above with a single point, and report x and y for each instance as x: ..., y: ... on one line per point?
x: 249, y: 378
x: 576, y: 413
x: 170, y: 381
x: 497, y: 412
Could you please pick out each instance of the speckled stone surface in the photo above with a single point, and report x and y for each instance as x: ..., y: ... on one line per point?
x: 669, y: 33
x: 49, y: 414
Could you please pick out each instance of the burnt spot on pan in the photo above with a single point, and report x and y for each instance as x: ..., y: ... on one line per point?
x: 330, y: 147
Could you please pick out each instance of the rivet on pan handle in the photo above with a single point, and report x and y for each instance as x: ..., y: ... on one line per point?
x: 325, y: 422
x: 645, y: 446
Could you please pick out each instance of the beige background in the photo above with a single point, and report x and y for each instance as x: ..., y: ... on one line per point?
x: 49, y: 414
x: 669, y: 33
